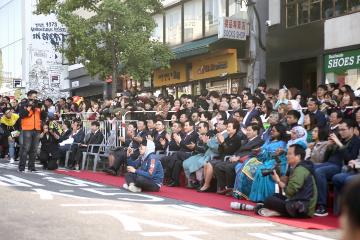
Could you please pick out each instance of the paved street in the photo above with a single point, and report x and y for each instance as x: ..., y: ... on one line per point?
x: 46, y: 205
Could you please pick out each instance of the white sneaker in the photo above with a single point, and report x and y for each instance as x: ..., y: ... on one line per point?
x: 134, y: 189
x: 265, y: 212
x: 12, y: 161
x: 125, y: 186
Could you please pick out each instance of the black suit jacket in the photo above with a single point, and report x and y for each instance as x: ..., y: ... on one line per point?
x: 187, y: 140
x: 96, y: 138
x: 230, y: 145
x: 157, y: 136
x: 65, y: 135
x: 246, y: 149
x: 79, y: 136
x: 252, y: 114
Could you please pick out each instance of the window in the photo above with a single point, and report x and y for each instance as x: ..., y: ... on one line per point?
x: 173, y: 25
x: 237, y: 9
x: 354, y: 5
x: 291, y: 13
x: 303, y: 12
x: 158, y: 33
x: 314, y: 10
x: 192, y: 20
x: 214, y: 9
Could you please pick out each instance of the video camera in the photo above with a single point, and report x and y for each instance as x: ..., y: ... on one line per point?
x: 270, y: 171
x: 34, y: 103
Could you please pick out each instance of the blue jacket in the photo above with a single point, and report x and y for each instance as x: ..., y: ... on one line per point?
x: 150, y: 167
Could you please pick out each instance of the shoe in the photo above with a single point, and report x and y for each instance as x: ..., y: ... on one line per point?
x: 33, y: 170
x: 133, y: 188
x: 125, y: 186
x: 224, y: 191
x: 321, y: 211
x: 204, y: 190
x: 265, y: 212
x: 12, y: 161
x: 21, y: 170
x: 173, y: 184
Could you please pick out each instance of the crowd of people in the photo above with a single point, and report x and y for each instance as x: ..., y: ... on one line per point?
x: 278, y: 148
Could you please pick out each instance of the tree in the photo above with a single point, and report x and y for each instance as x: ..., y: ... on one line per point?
x: 113, y: 38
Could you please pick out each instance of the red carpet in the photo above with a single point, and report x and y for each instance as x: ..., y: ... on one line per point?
x: 209, y: 200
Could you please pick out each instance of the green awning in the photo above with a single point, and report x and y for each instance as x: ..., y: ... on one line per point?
x: 194, y: 48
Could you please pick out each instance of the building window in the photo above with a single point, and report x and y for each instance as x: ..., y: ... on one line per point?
x: 315, y: 10
x: 291, y: 13
x: 158, y: 33
x: 237, y: 9
x: 173, y: 25
x: 193, y: 20
x: 354, y: 5
x: 303, y: 12
x: 214, y: 9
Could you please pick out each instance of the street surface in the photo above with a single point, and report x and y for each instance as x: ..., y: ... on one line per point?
x: 46, y: 205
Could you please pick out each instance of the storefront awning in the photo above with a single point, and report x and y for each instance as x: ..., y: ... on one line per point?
x: 194, y: 48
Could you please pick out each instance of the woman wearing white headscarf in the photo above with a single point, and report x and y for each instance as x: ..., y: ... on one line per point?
x: 298, y: 136
x: 295, y: 105
x: 146, y: 173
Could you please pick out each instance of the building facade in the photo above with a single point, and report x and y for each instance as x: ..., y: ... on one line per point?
x: 28, y: 55
x: 203, y: 59
x: 311, y: 42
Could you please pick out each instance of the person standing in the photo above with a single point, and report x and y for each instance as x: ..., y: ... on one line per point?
x: 32, y: 113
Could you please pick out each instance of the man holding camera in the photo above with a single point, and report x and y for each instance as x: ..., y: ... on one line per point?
x: 32, y: 113
x: 299, y: 187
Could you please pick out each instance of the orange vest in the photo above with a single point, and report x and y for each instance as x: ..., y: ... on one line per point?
x: 33, y: 121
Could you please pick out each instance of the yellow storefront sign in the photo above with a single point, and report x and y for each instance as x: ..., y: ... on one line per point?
x: 170, y: 76
x: 211, y: 66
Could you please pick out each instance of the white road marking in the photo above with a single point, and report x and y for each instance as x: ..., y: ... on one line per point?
x: 203, y: 211
x: 11, y: 180
x: 185, y: 235
x: 265, y: 236
x: 132, y: 224
x: 89, y: 205
x: 72, y: 182
x: 231, y: 225
x: 66, y: 191
x: 312, y: 236
x: 116, y: 192
x: 49, y: 195
x: 289, y: 236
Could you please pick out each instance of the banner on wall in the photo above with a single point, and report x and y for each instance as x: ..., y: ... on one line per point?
x: 46, y: 72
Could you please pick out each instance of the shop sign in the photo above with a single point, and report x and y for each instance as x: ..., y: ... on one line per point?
x: 214, y: 66
x: 232, y: 28
x: 340, y: 62
x: 175, y: 74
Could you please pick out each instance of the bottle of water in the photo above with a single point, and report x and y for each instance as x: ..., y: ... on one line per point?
x: 241, y: 206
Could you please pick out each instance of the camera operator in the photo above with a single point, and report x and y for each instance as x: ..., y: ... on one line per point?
x: 32, y: 113
x: 300, y: 189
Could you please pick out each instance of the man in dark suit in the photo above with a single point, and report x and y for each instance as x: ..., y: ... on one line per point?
x: 173, y: 164
x: 76, y: 138
x: 251, y: 111
x: 158, y: 136
x: 313, y: 108
x: 94, y: 137
x: 225, y: 171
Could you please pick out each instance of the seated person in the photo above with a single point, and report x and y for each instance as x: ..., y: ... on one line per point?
x: 350, y: 211
x: 200, y: 155
x: 119, y: 157
x: 176, y: 129
x: 349, y: 172
x: 125, y: 141
x: 227, y: 146
x: 317, y: 150
x: 64, y: 140
x: 159, y: 135
x: 173, y: 164
x: 299, y: 187
x: 341, y: 152
x: 94, y: 137
x: 49, y: 151
x: 73, y: 142
x: 145, y: 173
x: 225, y: 171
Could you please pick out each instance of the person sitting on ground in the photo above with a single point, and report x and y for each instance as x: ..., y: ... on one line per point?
x: 145, y: 173
x: 49, y: 151
x: 342, y: 152
x: 299, y: 188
